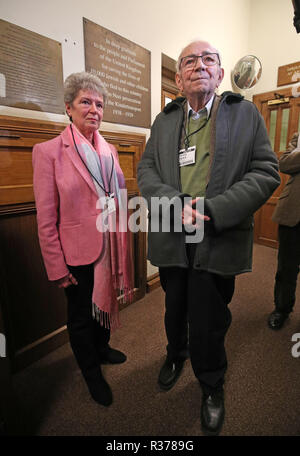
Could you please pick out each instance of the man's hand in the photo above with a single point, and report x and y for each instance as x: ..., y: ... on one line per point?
x: 66, y: 281
x: 191, y: 217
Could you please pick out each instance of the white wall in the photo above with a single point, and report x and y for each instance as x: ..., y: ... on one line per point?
x: 273, y: 38
x: 158, y: 25
x: 236, y: 27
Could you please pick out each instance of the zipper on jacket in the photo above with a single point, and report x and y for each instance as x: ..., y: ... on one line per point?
x: 177, y: 153
x: 179, y: 179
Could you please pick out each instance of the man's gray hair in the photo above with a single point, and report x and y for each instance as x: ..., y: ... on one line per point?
x: 83, y: 81
x: 192, y: 42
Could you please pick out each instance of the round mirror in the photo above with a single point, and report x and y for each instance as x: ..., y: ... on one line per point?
x: 247, y: 72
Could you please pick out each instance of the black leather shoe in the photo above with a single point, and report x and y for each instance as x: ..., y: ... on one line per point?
x: 212, y: 412
x: 169, y: 374
x: 99, y: 389
x: 276, y: 319
x: 112, y: 356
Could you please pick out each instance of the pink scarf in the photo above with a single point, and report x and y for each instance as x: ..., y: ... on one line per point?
x: 113, y: 269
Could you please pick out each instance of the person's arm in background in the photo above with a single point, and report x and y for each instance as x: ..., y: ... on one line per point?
x: 289, y: 162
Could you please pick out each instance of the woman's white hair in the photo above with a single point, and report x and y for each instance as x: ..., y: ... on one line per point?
x: 83, y: 81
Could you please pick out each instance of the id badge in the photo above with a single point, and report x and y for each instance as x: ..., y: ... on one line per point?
x: 187, y: 156
x: 111, y: 204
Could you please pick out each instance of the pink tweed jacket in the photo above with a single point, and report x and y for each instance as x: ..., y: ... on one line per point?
x: 66, y: 199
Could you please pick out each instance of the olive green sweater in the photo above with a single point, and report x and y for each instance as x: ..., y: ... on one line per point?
x: 194, y: 176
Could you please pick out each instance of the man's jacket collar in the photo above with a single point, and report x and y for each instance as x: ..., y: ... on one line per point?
x: 229, y: 96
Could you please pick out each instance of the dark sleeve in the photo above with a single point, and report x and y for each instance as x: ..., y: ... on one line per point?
x: 289, y: 162
x: 149, y: 178
x: 245, y: 196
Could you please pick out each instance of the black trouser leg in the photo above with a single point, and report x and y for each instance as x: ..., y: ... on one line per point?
x: 287, y: 268
x: 209, y: 320
x: 87, y: 336
x: 174, y: 283
x: 201, y: 299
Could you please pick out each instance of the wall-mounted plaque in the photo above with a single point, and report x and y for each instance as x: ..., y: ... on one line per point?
x: 288, y: 74
x: 124, y: 68
x: 30, y: 70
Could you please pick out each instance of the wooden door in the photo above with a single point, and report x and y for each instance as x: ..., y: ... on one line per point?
x: 166, y: 97
x: 281, y: 114
x: 169, y: 89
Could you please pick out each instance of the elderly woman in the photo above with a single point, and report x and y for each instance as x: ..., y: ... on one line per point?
x: 73, y: 173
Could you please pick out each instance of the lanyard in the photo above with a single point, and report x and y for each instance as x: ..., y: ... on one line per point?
x: 107, y: 192
x: 187, y: 136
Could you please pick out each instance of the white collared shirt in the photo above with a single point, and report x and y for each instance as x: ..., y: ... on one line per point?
x: 202, y: 112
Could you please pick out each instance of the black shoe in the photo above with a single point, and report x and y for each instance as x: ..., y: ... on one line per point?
x: 276, y: 319
x: 169, y: 374
x: 212, y: 412
x: 99, y: 389
x: 112, y: 356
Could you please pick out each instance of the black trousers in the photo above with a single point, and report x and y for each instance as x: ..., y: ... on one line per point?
x: 88, y: 338
x: 287, y: 267
x: 197, y: 316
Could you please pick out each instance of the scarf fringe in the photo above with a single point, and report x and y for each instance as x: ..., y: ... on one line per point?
x: 126, y: 295
x: 125, y: 291
x: 105, y: 319
x: 108, y: 320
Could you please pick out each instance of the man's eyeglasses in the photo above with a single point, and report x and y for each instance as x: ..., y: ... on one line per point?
x: 190, y: 61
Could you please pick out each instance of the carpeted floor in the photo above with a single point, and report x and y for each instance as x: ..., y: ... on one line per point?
x: 262, y: 382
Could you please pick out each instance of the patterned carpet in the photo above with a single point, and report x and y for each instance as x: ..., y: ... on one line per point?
x: 262, y: 394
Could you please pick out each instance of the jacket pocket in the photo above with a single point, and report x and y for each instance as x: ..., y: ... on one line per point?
x: 69, y: 239
x: 285, y: 192
x: 69, y: 224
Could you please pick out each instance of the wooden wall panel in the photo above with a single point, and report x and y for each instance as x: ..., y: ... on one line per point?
x: 34, y: 309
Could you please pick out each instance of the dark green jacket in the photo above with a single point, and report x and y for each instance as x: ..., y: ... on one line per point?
x: 243, y: 175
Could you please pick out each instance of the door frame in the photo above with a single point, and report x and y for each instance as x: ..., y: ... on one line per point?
x: 260, y: 101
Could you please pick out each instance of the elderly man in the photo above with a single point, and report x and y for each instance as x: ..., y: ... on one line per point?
x: 214, y: 149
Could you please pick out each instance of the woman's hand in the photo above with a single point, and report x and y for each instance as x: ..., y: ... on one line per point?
x: 66, y: 281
